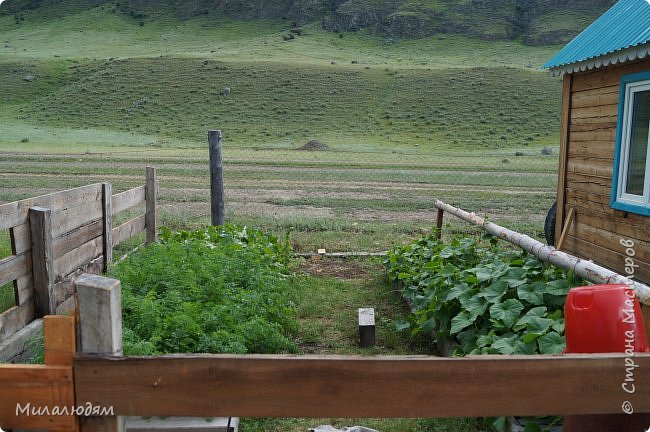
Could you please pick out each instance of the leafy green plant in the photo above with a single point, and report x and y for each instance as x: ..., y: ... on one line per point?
x: 482, y: 298
x: 219, y: 290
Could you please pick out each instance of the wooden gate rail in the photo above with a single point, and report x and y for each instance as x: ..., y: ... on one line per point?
x: 27, y: 387
x: 327, y: 386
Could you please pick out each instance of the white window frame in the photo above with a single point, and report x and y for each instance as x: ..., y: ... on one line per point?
x: 624, y: 152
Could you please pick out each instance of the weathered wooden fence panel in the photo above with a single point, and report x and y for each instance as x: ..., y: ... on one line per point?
x: 72, y: 233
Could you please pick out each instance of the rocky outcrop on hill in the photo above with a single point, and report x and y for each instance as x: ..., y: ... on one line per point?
x: 536, y: 22
x: 355, y: 15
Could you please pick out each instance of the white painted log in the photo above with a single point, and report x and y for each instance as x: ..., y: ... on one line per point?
x: 582, y: 268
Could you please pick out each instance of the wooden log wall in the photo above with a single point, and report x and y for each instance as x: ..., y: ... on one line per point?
x: 586, y: 168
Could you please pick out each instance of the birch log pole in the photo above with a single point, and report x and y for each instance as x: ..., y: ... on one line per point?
x: 582, y: 268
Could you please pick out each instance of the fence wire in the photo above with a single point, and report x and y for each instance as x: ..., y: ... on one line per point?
x: 330, y: 198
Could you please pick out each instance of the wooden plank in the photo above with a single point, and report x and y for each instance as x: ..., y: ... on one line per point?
x: 64, y: 289
x: 68, y: 307
x: 100, y: 317
x: 60, y: 340
x: 107, y: 216
x: 600, y: 183
x: 21, y: 238
x: 610, y: 222
x: 567, y: 223
x: 592, y: 149
x: 585, y: 127
x: 16, y: 213
x: 584, y: 100
x: 68, y: 263
x: 151, y: 213
x: 128, y: 229
x: 14, y: 267
x: 600, y: 121
x: 612, y: 89
x: 612, y: 240
x: 587, y: 186
x: 24, y: 288
x: 604, y: 257
x: 67, y: 220
x: 606, y: 135
x: 18, y: 343
x: 43, y: 260
x: 319, y: 386
x: 610, y: 76
x: 16, y: 318
x: 591, y: 112
x: 564, y: 148
x: 581, y: 195
x: 36, y: 387
x: 594, y: 167
x: 580, y: 203
x: 78, y: 237
x: 127, y: 199
x: 439, y: 220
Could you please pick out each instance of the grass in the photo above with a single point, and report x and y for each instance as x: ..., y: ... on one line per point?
x: 279, y: 106
x: 7, y: 295
x: 328, y: 325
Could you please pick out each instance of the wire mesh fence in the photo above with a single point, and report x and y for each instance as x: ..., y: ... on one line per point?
x: 343, y: 200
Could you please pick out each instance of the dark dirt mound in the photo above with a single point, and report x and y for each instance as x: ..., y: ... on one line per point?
x: 314, y: 145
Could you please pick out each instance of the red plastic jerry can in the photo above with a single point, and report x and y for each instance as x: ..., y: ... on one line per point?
x: 604, y: 319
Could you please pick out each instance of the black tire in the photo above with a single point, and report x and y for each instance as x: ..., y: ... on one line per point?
x: 549, y: 225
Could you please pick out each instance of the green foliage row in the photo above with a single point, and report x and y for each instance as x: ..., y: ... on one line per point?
x: 216, y: 290
x: 483, y: 298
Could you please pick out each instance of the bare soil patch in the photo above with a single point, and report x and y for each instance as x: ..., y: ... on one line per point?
x: 340, y: 268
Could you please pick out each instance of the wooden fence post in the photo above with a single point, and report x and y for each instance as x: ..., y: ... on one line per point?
x: 217, y: 206
x: 439, y: 220
x: 151, y: 196
x: 366, y: 327
x: 107, y: 206
x: 40, y: 222
x: 100, y: 324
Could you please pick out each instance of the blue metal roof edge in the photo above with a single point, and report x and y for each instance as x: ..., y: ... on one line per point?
x: 625, y: 25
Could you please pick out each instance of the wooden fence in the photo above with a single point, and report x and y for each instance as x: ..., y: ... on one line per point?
x: 97, y: 377
x: 56, y: 237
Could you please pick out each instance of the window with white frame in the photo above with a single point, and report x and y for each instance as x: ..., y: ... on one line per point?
x: 631, y: 182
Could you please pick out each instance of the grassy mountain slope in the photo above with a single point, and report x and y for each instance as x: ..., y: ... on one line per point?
x: 279, y: 106
x: 99, y: 71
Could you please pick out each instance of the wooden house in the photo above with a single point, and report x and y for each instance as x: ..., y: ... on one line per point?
x: 603, y: 195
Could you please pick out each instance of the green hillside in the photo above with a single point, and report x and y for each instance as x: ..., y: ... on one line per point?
x: 162, y: 83
x: 274, y: 105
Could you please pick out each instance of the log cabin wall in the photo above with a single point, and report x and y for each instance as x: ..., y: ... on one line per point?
x: 589, y: 121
